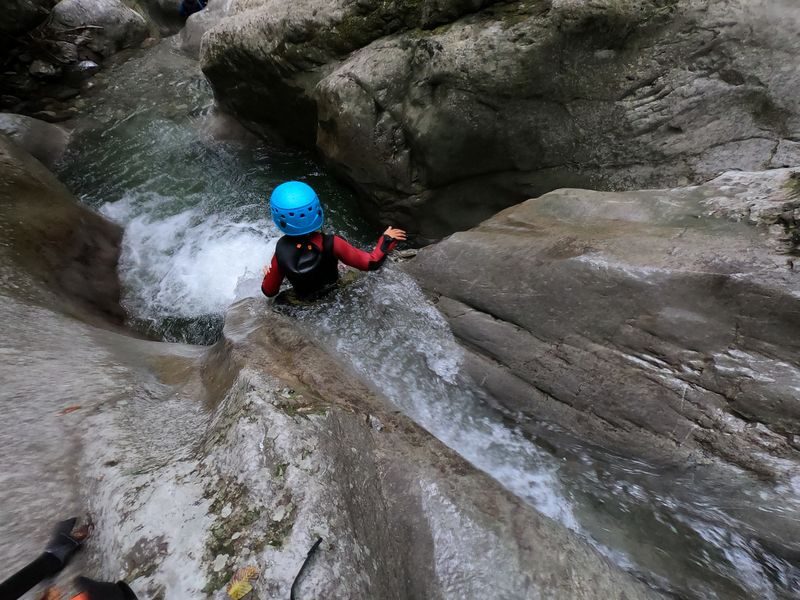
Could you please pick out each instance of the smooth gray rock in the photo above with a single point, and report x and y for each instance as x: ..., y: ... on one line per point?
x: 439, y: 127
x: 45, y: 141
x: 659, y: 324
x: 409, y: 517
x: 54, y: 244
x: 111, y: 24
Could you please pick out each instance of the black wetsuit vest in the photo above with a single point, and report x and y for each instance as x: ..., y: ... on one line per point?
x: 309, y: 269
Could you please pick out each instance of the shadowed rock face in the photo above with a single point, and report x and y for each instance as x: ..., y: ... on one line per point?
x: 21, y: 15
x: 44, y: 141
x: 648, y: 322
x: 442, y: 113
x: 53, y: 246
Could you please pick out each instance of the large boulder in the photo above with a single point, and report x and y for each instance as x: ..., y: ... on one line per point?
x: 108, y: 25
x: 441, y: 113
x: 45, y: 141
x: 280, y: 50
x: 55, y: 249
x: 658, y: 324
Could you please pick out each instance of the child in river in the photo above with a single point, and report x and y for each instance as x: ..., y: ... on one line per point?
x: 308, y: 258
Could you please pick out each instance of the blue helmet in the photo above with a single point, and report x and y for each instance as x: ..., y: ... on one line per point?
x: 295, y: 208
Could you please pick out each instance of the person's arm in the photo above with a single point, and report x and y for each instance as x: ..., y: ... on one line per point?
x: 367, y: 261
x: 65, y: 542
x: 273, y: 277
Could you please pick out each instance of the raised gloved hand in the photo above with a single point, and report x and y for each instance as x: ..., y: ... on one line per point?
x: 66, y: 541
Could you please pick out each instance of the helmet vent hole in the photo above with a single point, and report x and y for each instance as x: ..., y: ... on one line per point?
x: 291, y: 214
x: 319, y: 213
x: 302, y: 215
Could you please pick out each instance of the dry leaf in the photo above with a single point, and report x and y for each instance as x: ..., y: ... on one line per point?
x: 239, y: 589
x: 240, y: 586
x: 70, y: 409
x: 52, y: 593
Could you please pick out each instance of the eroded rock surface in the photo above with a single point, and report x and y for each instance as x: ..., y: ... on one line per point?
x: 441, y: 113
x: 194, y: 464
x: 660, y: 324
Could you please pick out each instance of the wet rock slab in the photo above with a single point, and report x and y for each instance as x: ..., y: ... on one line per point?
x: 659, y: 324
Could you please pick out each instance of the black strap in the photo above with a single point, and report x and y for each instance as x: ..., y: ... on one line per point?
x: 302, y: 568
x: 327, y: 243
x: 102, y: 590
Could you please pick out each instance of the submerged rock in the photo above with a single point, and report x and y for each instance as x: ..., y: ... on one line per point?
x: 658, y: 324
x: 44, y: 141
x: 440, y: 115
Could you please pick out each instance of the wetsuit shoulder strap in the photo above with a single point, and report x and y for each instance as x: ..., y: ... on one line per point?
x: 327, y: 243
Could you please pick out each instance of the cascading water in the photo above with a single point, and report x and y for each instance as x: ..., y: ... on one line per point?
x: 196, y: 237
x: 194, y: 208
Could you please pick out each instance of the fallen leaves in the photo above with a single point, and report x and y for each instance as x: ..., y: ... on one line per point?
x: 240, y: 584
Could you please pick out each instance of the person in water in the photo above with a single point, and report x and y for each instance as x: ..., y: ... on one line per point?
x: 308, y: 258
x: 189, y: 7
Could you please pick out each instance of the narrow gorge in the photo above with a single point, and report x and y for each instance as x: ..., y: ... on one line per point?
x: 579, y: 380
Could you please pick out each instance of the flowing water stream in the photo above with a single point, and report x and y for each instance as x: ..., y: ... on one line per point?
x: 196, y: 236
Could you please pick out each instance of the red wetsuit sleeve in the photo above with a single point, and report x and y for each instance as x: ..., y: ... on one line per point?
x: 364, y: 261
x: 273, y: 279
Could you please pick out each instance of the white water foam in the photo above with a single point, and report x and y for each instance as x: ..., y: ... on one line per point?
x: 187, y: 264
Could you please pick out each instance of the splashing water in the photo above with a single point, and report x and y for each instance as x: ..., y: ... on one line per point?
x: 193, y: 207
x: 383, y: 325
